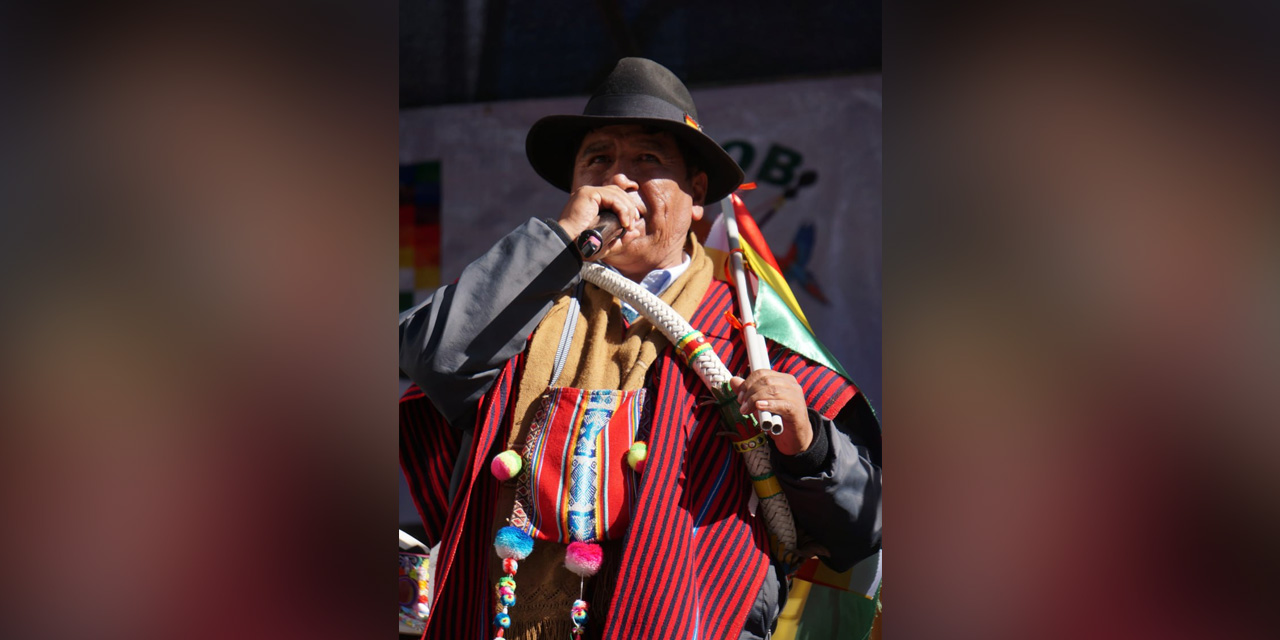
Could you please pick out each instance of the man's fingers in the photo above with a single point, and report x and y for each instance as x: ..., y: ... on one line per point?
x: 766, y: 390
x: 780, y: 394
x: 746, y: 387
x: 622, y: 203
x: 772, y: 405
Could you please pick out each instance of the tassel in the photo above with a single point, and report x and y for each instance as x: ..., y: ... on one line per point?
x: 583, y: 558
x: 579, y: 615
x: 512, y: 545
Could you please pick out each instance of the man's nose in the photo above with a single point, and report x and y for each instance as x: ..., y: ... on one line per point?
x: 620, y: 179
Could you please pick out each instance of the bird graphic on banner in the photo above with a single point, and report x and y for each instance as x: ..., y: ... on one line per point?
x: 796, y: 262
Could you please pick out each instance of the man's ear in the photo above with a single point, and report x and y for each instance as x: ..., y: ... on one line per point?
x: 699, y: 186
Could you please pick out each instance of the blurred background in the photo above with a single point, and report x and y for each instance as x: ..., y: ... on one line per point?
x: 196, y: 439
x: 1081, y: 310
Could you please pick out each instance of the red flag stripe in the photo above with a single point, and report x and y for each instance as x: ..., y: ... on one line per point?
x: 749, y: 231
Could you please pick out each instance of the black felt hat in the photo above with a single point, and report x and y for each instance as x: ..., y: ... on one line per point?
x: 637, y: 91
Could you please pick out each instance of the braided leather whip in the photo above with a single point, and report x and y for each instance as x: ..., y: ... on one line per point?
x: 754, y: 447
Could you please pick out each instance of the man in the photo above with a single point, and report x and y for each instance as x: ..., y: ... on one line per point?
x: 685, y: 556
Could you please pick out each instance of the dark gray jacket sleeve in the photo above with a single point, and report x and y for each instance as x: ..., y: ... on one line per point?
x: 834, y: 485
x: 454, y: 344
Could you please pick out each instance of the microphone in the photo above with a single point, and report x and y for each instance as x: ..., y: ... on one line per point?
x: 591, y: 241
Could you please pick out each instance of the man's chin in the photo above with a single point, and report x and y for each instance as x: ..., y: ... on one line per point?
x: 628, y: 263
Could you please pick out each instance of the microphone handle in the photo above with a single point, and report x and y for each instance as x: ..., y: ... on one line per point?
x: 591, y: 241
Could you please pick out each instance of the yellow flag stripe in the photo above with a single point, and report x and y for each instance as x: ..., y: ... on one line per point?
x: 789, y: 619
x: 775, y: 280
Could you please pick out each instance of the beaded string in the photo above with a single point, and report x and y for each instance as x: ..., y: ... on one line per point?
x: 584, y: 559
x: 512, y: 545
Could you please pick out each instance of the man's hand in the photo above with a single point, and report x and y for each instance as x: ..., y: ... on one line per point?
x: 780, y: 394
x: 585, y: 204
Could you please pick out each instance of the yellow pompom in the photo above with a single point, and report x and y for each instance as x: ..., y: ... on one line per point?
x: 636, y: 456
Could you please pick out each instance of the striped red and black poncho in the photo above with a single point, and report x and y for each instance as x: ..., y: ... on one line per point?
x: 694, y: 557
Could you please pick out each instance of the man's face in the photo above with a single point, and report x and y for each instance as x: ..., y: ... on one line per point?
x: 651, y: 169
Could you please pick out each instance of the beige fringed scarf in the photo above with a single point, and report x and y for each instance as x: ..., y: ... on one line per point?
x: 605, y: 354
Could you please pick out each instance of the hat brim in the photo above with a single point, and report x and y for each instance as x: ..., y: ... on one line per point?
x: 552, y: 146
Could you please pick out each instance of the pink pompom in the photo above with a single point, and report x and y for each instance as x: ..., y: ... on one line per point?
x: 583, y: 558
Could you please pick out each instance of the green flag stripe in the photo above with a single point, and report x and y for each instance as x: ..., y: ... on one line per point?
x: 775, y: 321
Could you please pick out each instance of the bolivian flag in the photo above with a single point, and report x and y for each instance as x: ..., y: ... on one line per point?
x: 778, y: 314
x: 822, y: 603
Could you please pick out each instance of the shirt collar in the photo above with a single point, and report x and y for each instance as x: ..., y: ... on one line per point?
x: 656, y: 282
x: 659, y: 279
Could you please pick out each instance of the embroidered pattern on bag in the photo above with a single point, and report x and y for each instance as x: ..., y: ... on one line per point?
x: 577, y: 486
